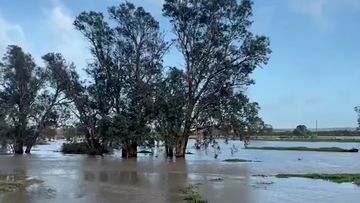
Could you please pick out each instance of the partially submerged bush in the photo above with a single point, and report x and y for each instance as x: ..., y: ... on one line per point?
x: 75, y: 148
x: 13, y: 182
x: 81, y: 148
x: 192, y: 196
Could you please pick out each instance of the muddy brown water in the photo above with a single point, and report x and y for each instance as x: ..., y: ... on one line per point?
x: 80, y: 178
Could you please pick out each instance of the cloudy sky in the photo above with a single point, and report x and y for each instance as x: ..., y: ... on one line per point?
x: 313, y: 73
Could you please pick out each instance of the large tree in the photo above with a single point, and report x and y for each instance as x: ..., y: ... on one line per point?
x: 31, y: 98
x: 21, y: 82
x: 51, y: 104
x: 170, y: 106
x: 126, y: 69
x: 83, y: 101
x: 220, y: 52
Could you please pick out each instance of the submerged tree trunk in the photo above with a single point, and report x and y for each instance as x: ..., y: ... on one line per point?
x: 29, y: 144
x: 95, y: 147
x: 169, y: 151
x: 181, y: 146
x: 18, y: 146
x: 129, y: 151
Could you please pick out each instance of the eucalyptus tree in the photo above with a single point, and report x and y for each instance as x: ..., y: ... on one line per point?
x: 220, y: 52
x: 126, y: 68
x: 21, y: 82
x: 31, y: 97
x: 51, y: 104
x: 78, y: 100
x: 170, y: 105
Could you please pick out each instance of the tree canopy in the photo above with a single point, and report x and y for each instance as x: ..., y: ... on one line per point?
x: 129, y: 98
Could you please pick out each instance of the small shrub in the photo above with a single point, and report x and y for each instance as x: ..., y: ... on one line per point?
x: 81, y: 148
x: 192, y: 196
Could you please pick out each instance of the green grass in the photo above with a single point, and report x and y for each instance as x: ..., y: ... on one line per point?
x: 306, y: 140
x: 321, y: 149
x: 237, y: 160
x: 192, y: 196
x: 14, y: 182
x: 337, y: 178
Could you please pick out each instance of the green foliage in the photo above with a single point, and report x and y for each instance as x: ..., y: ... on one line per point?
x: 126, y: 70
x: 301, y: 131
x: 220, y: 53
x: 75, y: 148
x: 192, y: 196
x: 34, y: 96
x: 129, y: 99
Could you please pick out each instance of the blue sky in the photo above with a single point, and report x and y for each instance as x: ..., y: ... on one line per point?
x: 313, y: 73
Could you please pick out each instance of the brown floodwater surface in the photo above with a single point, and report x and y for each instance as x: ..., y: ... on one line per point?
x: 82, y: 178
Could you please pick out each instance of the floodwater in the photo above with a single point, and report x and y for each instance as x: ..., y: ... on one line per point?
x: 81, y: 178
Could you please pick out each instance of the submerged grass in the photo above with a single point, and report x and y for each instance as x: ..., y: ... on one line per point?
x: 237, y: 160
x: 192, y: 196
x: 337, y: 178
x: 321, y: 149
x: 13, y: 182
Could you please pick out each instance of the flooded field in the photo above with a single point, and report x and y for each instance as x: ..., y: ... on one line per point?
x: 80, y: 178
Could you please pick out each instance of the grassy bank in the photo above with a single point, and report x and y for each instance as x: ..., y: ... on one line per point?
x: 305, y: 140
x: 337, y: 178
x: 321, y: 149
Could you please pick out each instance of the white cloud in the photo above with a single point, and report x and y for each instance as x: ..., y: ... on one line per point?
x: 323, y: 12
x: 67, y: 40
x: 10, y: 33
x: 315, y: 9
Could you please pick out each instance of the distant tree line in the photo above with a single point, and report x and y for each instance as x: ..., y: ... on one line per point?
x: 301, y: 131
x: 128, y: 98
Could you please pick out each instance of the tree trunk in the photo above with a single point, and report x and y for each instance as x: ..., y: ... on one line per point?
x: 30, y: 142
x: 169, y: 151
x: 96, y: 148
x: 181, y: 146
x: 18, y: 146
x: 28, y: 148
x: 129, y: 151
